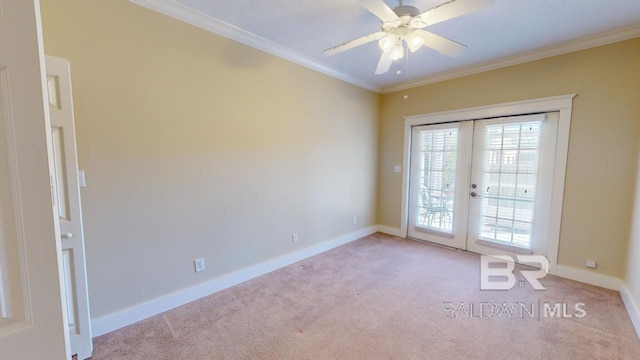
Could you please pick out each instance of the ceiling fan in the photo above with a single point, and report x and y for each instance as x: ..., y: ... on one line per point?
x: 405, y: 24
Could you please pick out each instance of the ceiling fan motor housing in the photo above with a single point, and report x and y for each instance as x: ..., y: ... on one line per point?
x: 405, y: 14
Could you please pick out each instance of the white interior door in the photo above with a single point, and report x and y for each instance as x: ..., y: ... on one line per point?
x: 32, y: 317
x: 484, y: 185
x: 69, y: 206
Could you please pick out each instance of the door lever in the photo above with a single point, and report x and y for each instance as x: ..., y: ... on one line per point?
x: 473, y: 194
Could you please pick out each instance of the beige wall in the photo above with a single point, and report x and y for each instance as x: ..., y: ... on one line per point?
x: 197, y: 146
x: 632, y: 279
x: 602, y: 152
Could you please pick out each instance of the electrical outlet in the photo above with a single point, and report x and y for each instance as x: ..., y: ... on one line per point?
x: 199, y: 264
x: 591, y: 264
x: 294, y: 238
x: 397, y: 169
x: 355, y: 220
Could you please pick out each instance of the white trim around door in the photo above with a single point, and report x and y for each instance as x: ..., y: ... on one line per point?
x: 562, y: 104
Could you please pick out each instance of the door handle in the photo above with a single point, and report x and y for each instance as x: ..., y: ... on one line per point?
x: 67, y: 236
x: 473, y: 194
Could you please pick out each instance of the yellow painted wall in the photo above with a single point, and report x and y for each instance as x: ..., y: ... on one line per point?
x: 601, y: 170
x: 197, y: 146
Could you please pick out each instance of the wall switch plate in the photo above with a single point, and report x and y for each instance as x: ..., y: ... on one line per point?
x: 591, y: 264
x: 355, y: 220
x: 397, y: 169
x: 199, y: 264
x: 294, y: 238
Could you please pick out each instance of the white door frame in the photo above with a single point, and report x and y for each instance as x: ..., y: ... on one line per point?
x: 563, y: 104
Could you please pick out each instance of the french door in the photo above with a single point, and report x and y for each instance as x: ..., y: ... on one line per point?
x: 484, y: 185
x: 438, y: 202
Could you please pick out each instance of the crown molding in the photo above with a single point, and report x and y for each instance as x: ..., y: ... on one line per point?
x: 183, y: 13
x: 543, y: 53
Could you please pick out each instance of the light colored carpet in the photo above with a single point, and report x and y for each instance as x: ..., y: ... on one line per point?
x: 380, y: 297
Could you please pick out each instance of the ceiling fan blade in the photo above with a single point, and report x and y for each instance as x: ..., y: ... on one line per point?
x: 440, y: 44
x: 354, y: 43
x: 385, y: 63
x: 380, y: 9
x: 452, y: 9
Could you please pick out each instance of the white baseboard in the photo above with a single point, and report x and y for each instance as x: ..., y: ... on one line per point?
x: 633, y: 307
x: 120, y: 319
x: 390, y: 230
x: 111, y: 322
x: 589, y: 277
x: 630, y: 302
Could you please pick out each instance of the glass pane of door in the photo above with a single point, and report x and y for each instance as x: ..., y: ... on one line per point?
x: 439, y: 169
x: 438, y: 154
x: 509, y: 174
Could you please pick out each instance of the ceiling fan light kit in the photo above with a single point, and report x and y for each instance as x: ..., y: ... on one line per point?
x: 405, y: 24
x: 387, y: 42
x: 414, y: 42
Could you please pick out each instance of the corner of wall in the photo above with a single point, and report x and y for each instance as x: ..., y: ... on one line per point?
x: 633, y: 307
x: 389, y: 230
x: 630, y: 290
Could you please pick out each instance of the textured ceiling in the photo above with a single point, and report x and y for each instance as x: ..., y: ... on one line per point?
x: 509, y: 27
